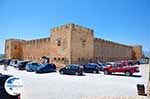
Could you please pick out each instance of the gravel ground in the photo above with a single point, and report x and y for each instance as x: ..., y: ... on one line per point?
x: 56, y: 86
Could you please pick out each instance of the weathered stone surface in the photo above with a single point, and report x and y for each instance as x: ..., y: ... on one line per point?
x: 70, y: 43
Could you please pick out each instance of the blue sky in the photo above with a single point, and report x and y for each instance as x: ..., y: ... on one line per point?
x: 124, y: 21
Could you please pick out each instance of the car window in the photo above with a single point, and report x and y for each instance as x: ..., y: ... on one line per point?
x: 68, y: 67
x: 73, y: 67
x: 34, y: 64
x: 91, y: 65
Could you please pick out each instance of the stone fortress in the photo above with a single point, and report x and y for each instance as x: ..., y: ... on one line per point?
x: 69, y: 44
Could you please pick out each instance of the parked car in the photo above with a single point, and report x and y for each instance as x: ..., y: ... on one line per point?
x: 14, y: 63
x: 102, y: 65
x: 92, y: 68
x: 128, y: 70
x: 46, y: 68
x: 3, y: 93
x: 2, y: 61
x: 72, y: 69
x: 22, y: 65
x: 5, y: 61
x: 124, y: 63
x: 32, y: 66
x: 110, y: 63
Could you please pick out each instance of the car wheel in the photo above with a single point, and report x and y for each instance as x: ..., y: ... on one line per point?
x: 98, y: 72
x: 61, y: 72
x: 76, y: 73
x: 106, y: 72
x: 127, y: 73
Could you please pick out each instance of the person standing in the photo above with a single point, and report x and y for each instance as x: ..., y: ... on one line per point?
x: 6, y: 63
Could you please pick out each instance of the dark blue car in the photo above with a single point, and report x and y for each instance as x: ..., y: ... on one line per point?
x: 32, y: 66
x: 46, y: 68
x: 92, y: 68
x: 72, y: 69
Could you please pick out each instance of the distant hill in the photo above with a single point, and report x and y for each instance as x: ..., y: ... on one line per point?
x: 147, y: 53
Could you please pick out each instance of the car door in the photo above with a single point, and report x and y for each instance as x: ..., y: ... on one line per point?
x: 47, y: 68
x: 119, y: 68
x: 91, y: 67
x: 66, y: 69
x: 34, y: 66
x: 87, y: 68
x: 113, y: 68
x: 73, y: 69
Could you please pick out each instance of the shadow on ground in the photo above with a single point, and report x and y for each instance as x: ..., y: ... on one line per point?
x: 138, y: 76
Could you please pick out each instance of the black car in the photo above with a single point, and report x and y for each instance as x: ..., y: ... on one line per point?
x: 22, y: 65
x: 32, y: 66
x: 72, y: 69
x: 46, y: 68
x: 2, y: 61
x: 5, y: 61
x: 3, y: 93
x: 92, y: 68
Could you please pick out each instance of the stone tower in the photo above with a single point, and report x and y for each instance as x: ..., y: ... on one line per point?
x: 82, y: 44
x: 137, y: 52
x: 60, y: 44
x: 72, y: 44
x: 13, y: 48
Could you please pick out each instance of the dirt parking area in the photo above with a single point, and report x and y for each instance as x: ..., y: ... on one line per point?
x: 56, y: 86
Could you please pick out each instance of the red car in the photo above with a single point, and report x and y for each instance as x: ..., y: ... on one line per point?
x: 118, y: 67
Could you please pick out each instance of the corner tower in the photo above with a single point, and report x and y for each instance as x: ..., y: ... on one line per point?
x: 82, y: 44
x: 71, y: 44
x: 61, y: 44
x: 13, y: 49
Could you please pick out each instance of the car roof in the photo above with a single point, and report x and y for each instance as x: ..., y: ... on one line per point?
x: 74, y: 65
x: 93, y: 63
x: 32, y: 62
x: 111, y: 62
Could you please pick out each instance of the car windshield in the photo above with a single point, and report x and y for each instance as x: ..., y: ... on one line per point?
x: 104, y: 64
x: 41, y: 66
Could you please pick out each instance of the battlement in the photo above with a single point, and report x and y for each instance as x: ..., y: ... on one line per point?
x: 111, y: 42
x: 16, y: 40
x: 72, y: 26
x: 36, y: 41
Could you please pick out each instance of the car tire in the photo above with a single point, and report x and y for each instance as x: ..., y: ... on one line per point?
x: 106, y: 72
x: 98, y: 72
x: 61, y: 72
x: 127, y: 73
x: 76, y: 73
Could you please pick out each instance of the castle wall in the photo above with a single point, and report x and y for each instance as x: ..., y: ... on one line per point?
x: 82, y: 45
x: 111, y: 51
x: 35, y: 49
